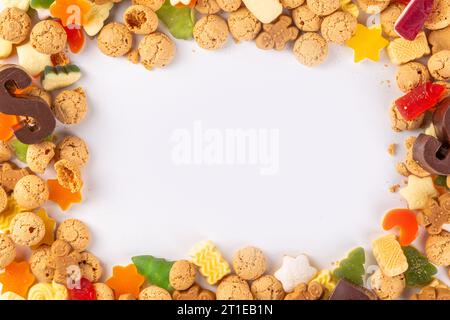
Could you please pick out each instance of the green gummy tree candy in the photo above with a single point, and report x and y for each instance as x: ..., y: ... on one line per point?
x: 41, y: 4
x: 20, y: 149
x: 352, y: 267
x: 155, y: 270
x: 179, y: 20
x: 420, y: 271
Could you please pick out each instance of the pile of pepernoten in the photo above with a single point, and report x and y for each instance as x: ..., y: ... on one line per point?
x: 41, y: 90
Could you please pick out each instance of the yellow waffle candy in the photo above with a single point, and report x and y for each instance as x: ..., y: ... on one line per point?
x: 389, y: 255
x: 47, y: 291
x: 212, y: 265
x: 402, y: 51
x: 325, y: 278
x: 350, y: 7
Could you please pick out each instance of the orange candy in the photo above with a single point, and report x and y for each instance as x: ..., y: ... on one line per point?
x: 71, y: 12
x: 17, y: 278
x: 7, y: 123
x: 406, y: 221
x: 62, y: 196
x: 126, y: 280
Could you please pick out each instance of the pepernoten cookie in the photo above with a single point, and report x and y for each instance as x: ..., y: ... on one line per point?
x: 31, y: 192
x: 233, y: 288
x: 140, y: 19
x: 389, y: 17
x: 338, y: 27
x: 156, y: 50
x: 211, y: 32
x: 439, y: 17
x: 243, y: 25
x: 70, y: 106
x: 75, y: 233
x: 306, y: 20
x: 323, y: 7
x: 15, y: 25
x: 229, y: 5
x: 73, y: 149
x: 439, y: 40
x: 39, y: 156
x: 439, y: 65
x: 115, y: 40
x: 154, y: 293
x: 311, y: 49
x: 410, y: 75
x: 267, y: 288
x: 373, y: 6
x: 27, y: 229
x: 249, y: 263
x: 48, y: 37
x: 7, y: 250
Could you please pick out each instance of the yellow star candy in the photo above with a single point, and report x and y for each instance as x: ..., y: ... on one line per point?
x: 418, y: 192
x: 367, y: 43
x: 350, y: 7
x: 8, y: 214
x: 50, y: 224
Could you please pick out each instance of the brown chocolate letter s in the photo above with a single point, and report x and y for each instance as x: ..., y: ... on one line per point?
x: 12, y: 78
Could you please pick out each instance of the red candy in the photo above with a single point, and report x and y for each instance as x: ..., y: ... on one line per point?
x: 412, y: 19
x: 85, y: 292
x: 406, y: 221
x: 75, y: 38
x: 419, y: 100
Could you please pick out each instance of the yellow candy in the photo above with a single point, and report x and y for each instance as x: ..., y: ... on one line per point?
x: 47, y: 291
x: 50, y: 224
x: 210, y: 262
x: 8, y: 214
x: 389, y: 255
x: 418, y: 191
x: 325, y: 278
x: 350, y: 7
x: 367, y: 43
x: 96, y: 18
x: 6, y: 49
x: 402, y: 51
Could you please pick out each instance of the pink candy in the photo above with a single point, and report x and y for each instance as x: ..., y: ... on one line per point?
x: 412, y: 19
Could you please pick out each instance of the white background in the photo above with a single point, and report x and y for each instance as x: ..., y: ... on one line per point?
x: 332, y: 188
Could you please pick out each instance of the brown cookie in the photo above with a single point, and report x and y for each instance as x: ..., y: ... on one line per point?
x: 68, y: 175
x: 311, y: 49
x: 70, y: 106
x: 410, y: 75
x: 233, y: 288
x: 103, y: 291
x: 15, y: 25
x: 323, y: 7
x: 229, y: 5
x: 243, y: 25
x: 276, y: 35
x: 27, y: 229
x: 338, y: 27
x: 211, y: 32
x: 40, y: 264
x: 249, y: 263
x: 439, y: 65
x: 306, y: 20
x: 48, y: 37
x: 39, y: 156
x: 156, y: 50
x: 5, y: 151
x: 194, y: 293
x: 73, y: 149
x: 154, y: 293
x: 182, y: 275
x: 31, y: 192
x: 267, y: 288
x: 140, y: 19
x: 7, y: 250
x: 115, y: 40
x: 90, y: 267
x: 437, y: 249
x: 75, y: 233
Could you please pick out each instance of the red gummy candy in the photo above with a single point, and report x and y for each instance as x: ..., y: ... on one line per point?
x: 85, y: 292
x: 419, y: 100
x: 75, y: 38
x: 412, y: 19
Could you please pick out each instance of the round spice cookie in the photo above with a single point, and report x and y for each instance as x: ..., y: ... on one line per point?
x: 5, y: 151
x: 15, y: 25
x: 75, y: 233
x: 249, y: 263
x: 7, y: 250
x: 398, y: 123
x: 292, y: 4
x: 389, y: 17
x: 31, y: 192
x: 156, y: 50
x: 338, y: 27
x: 3, y: 199
x: 323, y: 7
x: 60, y: 248
x: 39, y: 156
x: 73, y: 149
x: 48, y: 37
x: 311, y: 49
x: 233, y: 288
x: 40, y: 264
x: 155, y: 5
x: 437, y: 249
x: 439, y: 40
x: 211, y: 32
x: 115, y: 40
x: 103, y: 291
x: 36, y: 91
x: 154, y: 293
x: 68, y: 175
x: 387, y: 288
x: 439, y: 65
x: 90, y: 266
x: 306, y: 20
x: 373, y: 6
x: 267, y: 288
x: 182, y: 275
x: 207, y: 6
x: 140, y: 19
x: 229, y: 5
x: 243, y: 25
x: 70, y: 106
x: 127, y: 296
x: 411, y: 75
x: 439, y: 17
x: 27, y: 229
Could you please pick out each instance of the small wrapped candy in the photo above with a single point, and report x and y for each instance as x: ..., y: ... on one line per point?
x: 412, y: 19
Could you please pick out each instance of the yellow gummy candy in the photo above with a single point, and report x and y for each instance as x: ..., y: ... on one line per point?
x: 350, y: 7
x: 8, y: 214
x: 325, y: 278
x: 210, y: 262
x: 47, y: 291
x: 367, y: 43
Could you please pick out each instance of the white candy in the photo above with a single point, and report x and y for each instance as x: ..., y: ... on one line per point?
x: 96, y: 18
x: 295, y: 271
x: 32, y: 61
x: 43, y: 14
x: 19, y: 4
x: 175, y: 2
x: 264, y: 10
x: 6, y: 48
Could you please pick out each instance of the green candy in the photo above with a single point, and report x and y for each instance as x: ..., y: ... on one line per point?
x: 41, y: 4
x: 441, y: 181
x: 179, y: 20
x: 155, y: 270
x: 20, y: 149
x: 420, y: 271
x: 352, y: 267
